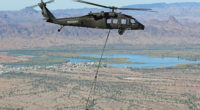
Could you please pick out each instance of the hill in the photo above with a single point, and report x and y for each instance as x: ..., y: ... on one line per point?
x: 174, y: 24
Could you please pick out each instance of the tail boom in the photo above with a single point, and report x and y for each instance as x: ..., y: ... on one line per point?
x: 48, y: 16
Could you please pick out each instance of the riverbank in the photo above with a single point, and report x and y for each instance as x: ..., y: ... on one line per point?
x: 130, y: 58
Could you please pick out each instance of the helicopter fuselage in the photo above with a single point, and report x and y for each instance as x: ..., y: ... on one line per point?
x: 103, y: 20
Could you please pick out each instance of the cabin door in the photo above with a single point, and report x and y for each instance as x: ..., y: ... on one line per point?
x: 124, y: 23
x: 113, y: 23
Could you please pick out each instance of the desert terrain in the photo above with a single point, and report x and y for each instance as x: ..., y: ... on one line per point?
x: 118, y: 89
x: 58, y: 85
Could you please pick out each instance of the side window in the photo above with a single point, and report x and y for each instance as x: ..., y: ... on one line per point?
x: 108, y: 21
x: 132, y: 21
x: 123, y: 21
x: 115, y: 21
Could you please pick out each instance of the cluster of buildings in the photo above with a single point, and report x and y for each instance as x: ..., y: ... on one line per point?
x: 70, y: 67
x: 1, y: 70
x: 5, y: 69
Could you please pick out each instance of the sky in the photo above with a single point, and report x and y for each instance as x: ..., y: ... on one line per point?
x: 70, y: 4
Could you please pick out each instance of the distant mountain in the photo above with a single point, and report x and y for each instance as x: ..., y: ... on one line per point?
x: 184, y: 12
x: 42, y: 34
x: 29, y: 10
x: 165, y: 5
x: 172, y: 20
x: 173, y: 24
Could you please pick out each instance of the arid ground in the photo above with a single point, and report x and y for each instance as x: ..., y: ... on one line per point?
x: 66, y: 86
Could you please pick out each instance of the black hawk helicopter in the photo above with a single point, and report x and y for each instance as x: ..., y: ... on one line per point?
x: 102, y: 20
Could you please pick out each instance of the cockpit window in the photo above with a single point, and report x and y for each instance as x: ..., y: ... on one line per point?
x: 132, y: 21
x: 123, y: 21
x: 108, y: 21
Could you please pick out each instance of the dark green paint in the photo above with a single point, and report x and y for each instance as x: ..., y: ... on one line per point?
x: 102, y: 20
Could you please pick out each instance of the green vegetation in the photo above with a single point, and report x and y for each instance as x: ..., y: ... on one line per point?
x: 58, y: 55
x: 190, y: 101
x: 188, y: 66
x: 41, y: 61
x: 48, y: 57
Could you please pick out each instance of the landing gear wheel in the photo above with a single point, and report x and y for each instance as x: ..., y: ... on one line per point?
x: 121, y: 31
x: 60, y: 28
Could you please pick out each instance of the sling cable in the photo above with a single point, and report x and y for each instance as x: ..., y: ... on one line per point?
x: 91, y: 98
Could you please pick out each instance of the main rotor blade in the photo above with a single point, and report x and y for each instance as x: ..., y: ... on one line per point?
x: 50, y: 1
x: 114, y: 8
x: 33, y: 6
x: 137, y: 9
x: 81, y: 1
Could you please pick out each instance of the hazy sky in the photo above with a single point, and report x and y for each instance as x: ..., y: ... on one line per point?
x: 66, y: 4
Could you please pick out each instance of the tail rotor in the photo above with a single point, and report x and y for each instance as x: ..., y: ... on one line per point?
x: 42, y: 2
x: 48, y: 16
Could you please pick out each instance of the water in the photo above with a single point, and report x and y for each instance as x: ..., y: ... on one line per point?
x: 24, y: 55
x: 149, y: 62
x: 17, y: 54
x: 146, y: 62
x: 76, y: 60
x: 4, y: 52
